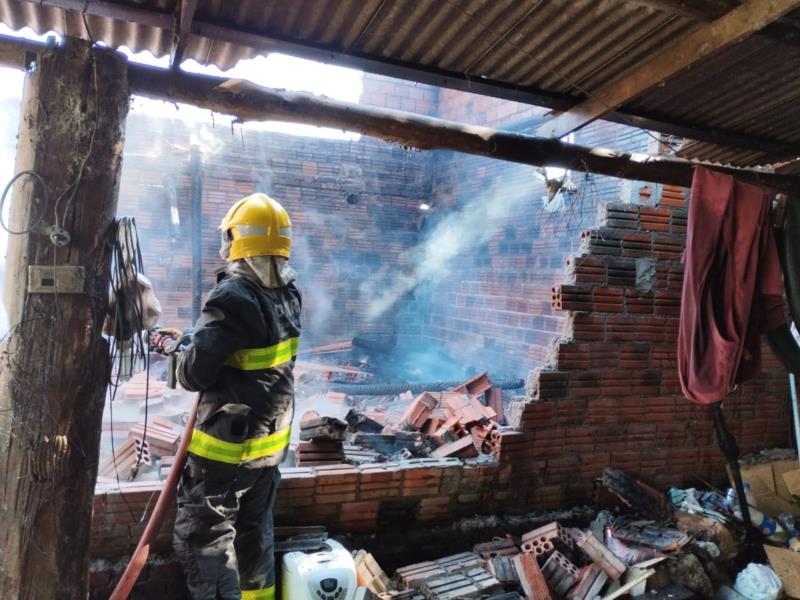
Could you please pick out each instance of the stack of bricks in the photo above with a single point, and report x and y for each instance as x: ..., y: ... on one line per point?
x: 160, y: 434
x: 549, y: 554
x: 449, y: 578
x: 125, y: 461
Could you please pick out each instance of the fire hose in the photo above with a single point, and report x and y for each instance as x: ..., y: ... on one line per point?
x: 165, y: 499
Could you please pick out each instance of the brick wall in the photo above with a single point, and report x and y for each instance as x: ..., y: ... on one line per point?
x: 610, y: 394
x: 492, y: 306
x: 337, y: 245
x: 594, y: 310
x: 348, y: 253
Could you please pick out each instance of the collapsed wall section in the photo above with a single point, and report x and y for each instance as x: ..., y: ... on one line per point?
x: 610, y: 393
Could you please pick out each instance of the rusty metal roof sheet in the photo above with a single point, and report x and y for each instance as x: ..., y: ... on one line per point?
x: 563, y: 49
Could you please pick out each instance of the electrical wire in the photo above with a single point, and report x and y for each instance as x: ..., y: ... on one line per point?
x: 73, y: 187
x: 8, y: 187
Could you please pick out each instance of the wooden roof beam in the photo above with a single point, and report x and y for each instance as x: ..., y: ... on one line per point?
x: 184, y: 14
x: 785, y: 30
x: 249, y: 102
x: 750, y: 17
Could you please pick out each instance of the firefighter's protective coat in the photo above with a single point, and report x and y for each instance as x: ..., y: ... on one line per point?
x: 241, y: 357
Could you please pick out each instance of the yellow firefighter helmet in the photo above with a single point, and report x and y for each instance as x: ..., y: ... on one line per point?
x: 256, y: 225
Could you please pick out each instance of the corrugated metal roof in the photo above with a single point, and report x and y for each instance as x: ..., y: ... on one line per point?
x: 565, y: 48
x: 753, y: 88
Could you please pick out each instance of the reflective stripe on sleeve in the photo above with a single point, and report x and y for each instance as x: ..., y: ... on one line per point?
x: 267, y: 593
x: 266, y: 445
x: 207, y: 446
x: 253, y: 359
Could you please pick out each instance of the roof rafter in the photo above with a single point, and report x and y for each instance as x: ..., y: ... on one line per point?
x: 739, y: 23
x: 707, y: 10
x: 184, y: 13
x: 785, y: 30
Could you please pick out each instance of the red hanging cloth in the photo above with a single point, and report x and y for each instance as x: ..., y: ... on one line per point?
x: 732, y: 287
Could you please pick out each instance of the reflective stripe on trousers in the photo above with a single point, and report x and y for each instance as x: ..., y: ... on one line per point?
x: 224, y: 531
x: 207, y: 446
x: 254, y: 359
x: 262, y: 594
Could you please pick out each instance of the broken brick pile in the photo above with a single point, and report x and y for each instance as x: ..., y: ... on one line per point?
x: 149, y: 446
x: 582, y: 568
x: 649, y: 546
x: 460, y: 422
x: 505, y: 567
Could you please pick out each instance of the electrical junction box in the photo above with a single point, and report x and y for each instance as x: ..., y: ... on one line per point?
x: 59, y: 279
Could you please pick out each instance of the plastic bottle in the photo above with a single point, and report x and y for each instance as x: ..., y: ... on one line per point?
x: 769, y: 527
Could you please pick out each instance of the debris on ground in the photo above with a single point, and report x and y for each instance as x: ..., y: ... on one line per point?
x: 774, y: 480
x: 758, y: 582
x: 647, y: 546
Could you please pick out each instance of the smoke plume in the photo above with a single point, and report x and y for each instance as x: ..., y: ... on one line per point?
x: 471, y: 225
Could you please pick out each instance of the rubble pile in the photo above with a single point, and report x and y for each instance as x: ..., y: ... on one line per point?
x: 150, y: 448
x: 641, y: 543
x: 461, y: 423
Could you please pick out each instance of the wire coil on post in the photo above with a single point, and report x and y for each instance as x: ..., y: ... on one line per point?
x: 9, y: 185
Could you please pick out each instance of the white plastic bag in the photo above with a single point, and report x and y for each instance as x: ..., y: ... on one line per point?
x: 758, y: 582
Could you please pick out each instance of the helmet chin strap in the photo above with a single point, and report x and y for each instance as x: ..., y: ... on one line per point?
x: 225, y: 247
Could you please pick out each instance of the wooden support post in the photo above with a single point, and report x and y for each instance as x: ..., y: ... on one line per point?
x: 54, y: 365
x: 184, y: 13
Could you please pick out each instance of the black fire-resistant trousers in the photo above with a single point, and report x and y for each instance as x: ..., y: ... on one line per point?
x: 224, y: 531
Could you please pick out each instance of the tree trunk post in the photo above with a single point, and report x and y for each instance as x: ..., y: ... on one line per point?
x: 54, y: 365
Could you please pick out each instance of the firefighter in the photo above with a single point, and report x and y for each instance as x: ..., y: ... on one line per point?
x: 241, y: 357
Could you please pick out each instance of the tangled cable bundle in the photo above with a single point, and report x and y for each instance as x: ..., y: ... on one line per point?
x: 129, y: 319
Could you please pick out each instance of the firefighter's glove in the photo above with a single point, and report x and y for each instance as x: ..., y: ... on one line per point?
x: 162, y: 340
